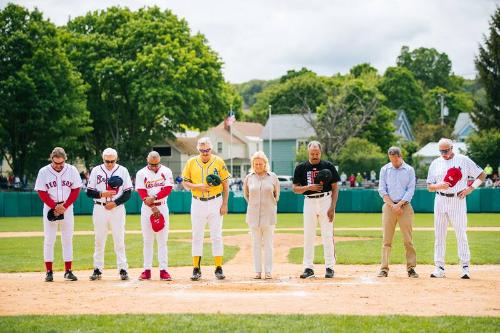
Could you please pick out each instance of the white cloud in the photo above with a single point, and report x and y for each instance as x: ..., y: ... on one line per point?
x: 263, y: 39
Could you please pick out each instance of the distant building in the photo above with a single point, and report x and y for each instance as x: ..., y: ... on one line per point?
x: 464, y: 127
x: 403, y: 126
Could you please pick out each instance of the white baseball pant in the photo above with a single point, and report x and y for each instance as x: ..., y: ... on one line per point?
x: 201, y: 213
x: 453, y: 210
x: 148, y: 236
x: 50, y: 235
x: 104, y: 220
x: 315, y: 210
x: 263, y: 235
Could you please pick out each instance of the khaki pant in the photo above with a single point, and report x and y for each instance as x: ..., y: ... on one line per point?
x: 389, y: 220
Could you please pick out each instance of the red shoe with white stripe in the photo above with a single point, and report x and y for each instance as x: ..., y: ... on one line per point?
x: 164, y: 276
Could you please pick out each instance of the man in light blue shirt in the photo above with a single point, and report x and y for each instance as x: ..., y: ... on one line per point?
x: 396, y: 187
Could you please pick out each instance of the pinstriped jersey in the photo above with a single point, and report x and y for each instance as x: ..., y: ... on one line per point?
x: 196, y: 172
x: 99, y: 176
x: 439, y: 168
x: 58, y: 184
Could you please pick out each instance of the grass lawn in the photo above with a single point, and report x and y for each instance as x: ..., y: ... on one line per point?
x: 25, y: 254
x: 245, y: 323
x: 183, y: 221
x: 484, y: 247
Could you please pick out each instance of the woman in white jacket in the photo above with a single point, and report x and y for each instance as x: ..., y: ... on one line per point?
x: 261, y: 190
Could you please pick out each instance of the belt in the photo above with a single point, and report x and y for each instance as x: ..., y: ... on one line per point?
x: 209, y: 198
x: 396, y: 202
x: 100, y: 203
x: 449, y: 195
x: 316, y: 196
x: 159, y: 203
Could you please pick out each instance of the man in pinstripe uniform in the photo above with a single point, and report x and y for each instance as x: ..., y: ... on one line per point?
x: 448, y: 178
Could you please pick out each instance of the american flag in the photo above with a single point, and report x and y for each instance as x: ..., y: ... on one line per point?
x: 231, y: 118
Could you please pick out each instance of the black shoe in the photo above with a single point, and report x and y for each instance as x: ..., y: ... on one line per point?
x: 96, y: 275
x: 219, y: 274
x: 49, y: 277
x: 196, y: 274
x: 382, y: 273
x: 412, y: 273
x: 308, y: 273
x: 69, y: 276
x: 123, y: 274
x: 329, y: 273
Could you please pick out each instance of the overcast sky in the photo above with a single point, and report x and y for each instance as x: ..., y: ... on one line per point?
x: 262, y: 39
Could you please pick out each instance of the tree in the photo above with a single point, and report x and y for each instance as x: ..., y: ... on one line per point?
x: 291, y: 96
x: 360, y: 155
x: 487, y: 115
x: 361, y: 69
x: 427, y: 65
x: 457, y: 102
x: 248, y: 90
x: 484, y: 147
x: 149, y: 78
x: 42, y: 96
x: 403, y: 92
x: 428, y: 132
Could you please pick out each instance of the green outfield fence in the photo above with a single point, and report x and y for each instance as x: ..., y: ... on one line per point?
x: 483, y: 200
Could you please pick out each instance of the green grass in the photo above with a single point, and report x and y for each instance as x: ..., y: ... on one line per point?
x: 245, y: 323
x: 484, y: 247
x: 25, y: 254
x: 231, y: 221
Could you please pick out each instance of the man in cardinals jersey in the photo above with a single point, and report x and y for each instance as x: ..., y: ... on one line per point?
x: 58, y: 185
x: 109, y: 211
x: 448, y: 178
x: 209, y: 203
x: 154, y: 183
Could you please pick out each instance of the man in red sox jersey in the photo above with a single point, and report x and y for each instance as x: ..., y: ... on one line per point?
x: 109, y: 211
x: 448, y: 178
x: 58, y: 185
x: 154, y: 183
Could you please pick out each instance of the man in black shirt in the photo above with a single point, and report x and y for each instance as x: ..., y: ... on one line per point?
x: 319, y: 206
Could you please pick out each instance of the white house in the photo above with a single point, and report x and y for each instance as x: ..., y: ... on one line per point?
x: 431, y: 151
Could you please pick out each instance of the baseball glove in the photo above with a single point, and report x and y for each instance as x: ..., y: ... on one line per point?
x: 213, y: 180
x: 115, y: 182
x: 157, y: 222
x: 453, y: 176
x: 323, y: 177
x: 51, y: 216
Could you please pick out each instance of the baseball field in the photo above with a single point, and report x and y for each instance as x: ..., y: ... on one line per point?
x: 354, y: 301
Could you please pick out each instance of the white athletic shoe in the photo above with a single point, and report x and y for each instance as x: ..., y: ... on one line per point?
x: 438, y: 272
x: 465, y: 272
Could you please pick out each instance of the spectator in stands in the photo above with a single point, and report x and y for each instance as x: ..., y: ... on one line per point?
x: 343, y: 178
x: 359, y: 179
x: 373, y: 177
x: 352, y: 180
x: 488, y: 170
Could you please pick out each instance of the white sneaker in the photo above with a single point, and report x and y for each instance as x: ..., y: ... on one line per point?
x: 438, y: 272
x: 465, y: 272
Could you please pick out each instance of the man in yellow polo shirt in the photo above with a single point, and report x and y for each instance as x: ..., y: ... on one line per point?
x: 209, y: 203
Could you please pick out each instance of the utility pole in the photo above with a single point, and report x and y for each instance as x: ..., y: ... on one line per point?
x: 444, y: 108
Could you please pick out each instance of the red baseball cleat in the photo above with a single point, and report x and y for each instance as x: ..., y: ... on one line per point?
x: 146, y: 275
x: 164, y: 276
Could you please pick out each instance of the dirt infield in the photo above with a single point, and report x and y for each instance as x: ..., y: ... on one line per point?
x: 354, y: 290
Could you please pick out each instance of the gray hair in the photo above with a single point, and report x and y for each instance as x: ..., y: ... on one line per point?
x: 109, y: 152
x: 204, y: 141
x: 58, y: 152
x: 262, y: 156
x: 153, y: 155
x: 445, y: 141
x: 394, y: 151
x: 314, y: 144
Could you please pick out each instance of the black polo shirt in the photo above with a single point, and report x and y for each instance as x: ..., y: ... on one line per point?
x: 305, y: 172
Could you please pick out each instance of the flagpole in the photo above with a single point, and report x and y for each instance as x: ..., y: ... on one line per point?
x: 270, y: 140
x: 231, y: 144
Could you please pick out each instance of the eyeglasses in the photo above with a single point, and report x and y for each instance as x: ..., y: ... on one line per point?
x: 444, y: 151
x: 154, y: 165
x: 58, y: 163
x: 205, y: 150
x: 109, y: 162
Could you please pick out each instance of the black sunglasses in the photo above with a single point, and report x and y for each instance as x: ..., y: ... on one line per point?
x: 109, y: 162
x: 444, y: 151
x: 153, y: 164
